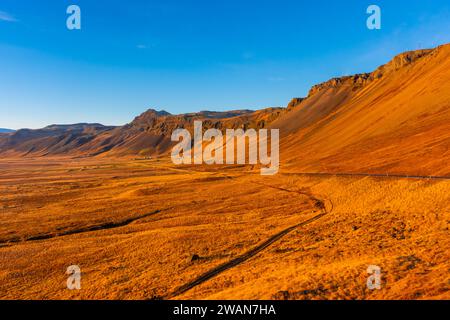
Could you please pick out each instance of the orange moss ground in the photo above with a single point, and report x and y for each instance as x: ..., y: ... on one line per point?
x: 133, y: 227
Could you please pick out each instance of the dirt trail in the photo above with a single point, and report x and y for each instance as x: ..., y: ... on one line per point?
x: 375, y: 175
x: 319, y: 204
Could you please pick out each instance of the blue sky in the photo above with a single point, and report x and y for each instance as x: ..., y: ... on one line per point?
x: 186, y: 56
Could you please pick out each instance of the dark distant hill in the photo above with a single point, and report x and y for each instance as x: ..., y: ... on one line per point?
x: 53, y: 139
x: 3, y: 130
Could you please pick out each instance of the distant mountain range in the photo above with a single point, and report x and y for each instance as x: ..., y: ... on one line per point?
x: 395, y: 119
x: 3, y: 130
x: 149, y: 133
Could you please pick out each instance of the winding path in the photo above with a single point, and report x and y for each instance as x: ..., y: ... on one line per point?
x: 319, y: 204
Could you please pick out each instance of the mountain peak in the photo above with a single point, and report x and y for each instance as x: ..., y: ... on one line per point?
x: 160, y: 113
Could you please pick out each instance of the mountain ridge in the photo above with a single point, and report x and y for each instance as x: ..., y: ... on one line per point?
x: 339, y: 120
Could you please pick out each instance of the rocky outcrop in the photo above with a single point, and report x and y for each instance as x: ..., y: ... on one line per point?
x: 360, y: 80
x: 357, y: 81
x: 400, y: 61
x: 294, y: 102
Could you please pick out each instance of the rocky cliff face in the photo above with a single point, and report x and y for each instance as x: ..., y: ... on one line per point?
x: 356, y: 81
x: 359, y: 80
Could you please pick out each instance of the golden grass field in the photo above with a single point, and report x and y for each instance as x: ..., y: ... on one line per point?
x: 134, y: 226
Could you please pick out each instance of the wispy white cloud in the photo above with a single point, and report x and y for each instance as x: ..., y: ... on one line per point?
x: 275, y: 79
x: 248, y: 55
x: 143, y: 46
x: 5, y: 16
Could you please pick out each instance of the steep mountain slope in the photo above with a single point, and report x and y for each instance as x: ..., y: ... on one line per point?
x: 393, y: 120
